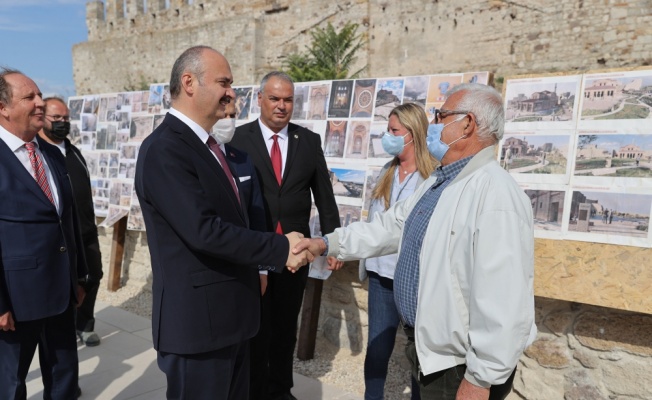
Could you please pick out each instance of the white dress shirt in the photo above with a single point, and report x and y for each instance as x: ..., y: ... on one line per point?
x: 282, y: 141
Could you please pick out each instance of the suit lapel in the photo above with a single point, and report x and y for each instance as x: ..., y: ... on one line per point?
x: 293, y: 145
x: 189, y: 137
x: 258, y: 143
x: 18, y: 171
x: 243, y: 202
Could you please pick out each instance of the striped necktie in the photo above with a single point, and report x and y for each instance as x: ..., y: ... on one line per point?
x: 39, y: 170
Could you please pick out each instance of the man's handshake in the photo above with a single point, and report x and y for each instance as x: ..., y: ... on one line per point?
x: 303, y: 251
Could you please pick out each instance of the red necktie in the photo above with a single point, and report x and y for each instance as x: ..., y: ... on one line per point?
x: 39, y: 170
x: 277, y: 163
x: 215, y: 148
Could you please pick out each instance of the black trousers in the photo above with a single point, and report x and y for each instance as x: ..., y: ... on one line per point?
x: 57, y: 345
x: 272, y: 349
x: 86, y: 311
x: 443, y: 385
x: 216, y: 375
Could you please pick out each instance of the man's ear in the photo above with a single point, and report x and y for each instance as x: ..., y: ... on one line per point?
x: 187, y: 83
x: 3, y: 109
x: 471, y: 124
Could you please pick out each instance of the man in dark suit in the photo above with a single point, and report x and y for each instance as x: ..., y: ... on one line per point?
x: 40, y: 266
x: 290, y: 164
x: 56, y: 127
x: 204, y: 258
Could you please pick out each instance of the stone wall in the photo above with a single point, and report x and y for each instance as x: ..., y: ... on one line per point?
x: 582, y: 351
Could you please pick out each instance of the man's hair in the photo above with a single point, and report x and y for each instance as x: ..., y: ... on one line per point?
x: 275, y: 74
x: 487, y: 105
x: 6, y: 92
x: 54, y: 98
x: 189, y: 61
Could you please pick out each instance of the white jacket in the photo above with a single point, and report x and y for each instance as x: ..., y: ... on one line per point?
x: 476, y: 297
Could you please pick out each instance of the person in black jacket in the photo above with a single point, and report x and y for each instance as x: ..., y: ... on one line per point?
x: 55, y: 129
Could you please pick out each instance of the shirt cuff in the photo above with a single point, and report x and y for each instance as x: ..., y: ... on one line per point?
x: 325, y: 239
x: 263, y: 272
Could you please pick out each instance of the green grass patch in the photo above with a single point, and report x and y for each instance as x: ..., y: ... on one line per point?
x: 630, y: 111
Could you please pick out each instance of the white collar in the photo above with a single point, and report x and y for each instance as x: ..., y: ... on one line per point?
x: 268, y: 133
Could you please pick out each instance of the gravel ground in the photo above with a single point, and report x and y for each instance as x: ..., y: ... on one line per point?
x: 331, y: 365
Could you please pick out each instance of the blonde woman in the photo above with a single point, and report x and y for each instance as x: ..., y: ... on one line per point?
x: 405, y: 139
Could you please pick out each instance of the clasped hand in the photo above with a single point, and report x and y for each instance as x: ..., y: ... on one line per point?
x: 297, y: 259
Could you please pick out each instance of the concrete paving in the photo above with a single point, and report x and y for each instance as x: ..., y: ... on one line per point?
x: 124, y: 366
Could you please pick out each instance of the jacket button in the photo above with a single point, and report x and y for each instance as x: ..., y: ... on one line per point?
x: 62, y: 249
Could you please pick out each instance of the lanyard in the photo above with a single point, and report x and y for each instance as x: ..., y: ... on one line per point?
x: 401, y: 187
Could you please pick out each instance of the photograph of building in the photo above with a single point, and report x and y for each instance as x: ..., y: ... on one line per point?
x: 357, y: 139
x: 389, y: 93
x: 626, y: 156
x: 532, y: 102
x: 618, y: 97
x: 535, y: 154
x: 547, y: 208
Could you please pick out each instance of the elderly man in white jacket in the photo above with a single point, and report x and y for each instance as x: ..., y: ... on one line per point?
x: 464, y: 278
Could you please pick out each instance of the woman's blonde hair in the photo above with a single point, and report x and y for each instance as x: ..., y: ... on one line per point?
x: 413, y: 117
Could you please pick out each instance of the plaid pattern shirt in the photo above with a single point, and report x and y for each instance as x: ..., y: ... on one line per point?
x: 406, y: 277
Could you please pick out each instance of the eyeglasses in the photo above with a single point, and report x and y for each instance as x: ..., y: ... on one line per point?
x: 441, y: 114
x: 57, y: 117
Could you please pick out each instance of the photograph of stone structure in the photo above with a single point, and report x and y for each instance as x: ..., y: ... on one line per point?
x: 340, y: 101
x: 416, y: 90
x: 301, y: 100
x: 373, y: 174
x: 335, y: 139
x: 74, y: 135
x: 535, y: 154
x: 349, y: 214
x: 376, y: 149
x: 106, y: 137
x: 614, y: 96
x: 609, y: 213
x: 547, y: 208
x: 625, y: 156
x: 389, y: 93
x: 91, y: 104
x: 141, y: 127
x: 363, y: 98
x: 548, y: 101
x: 347, y: 182
x: 357, y: 139
x: 155, y: 101
x: 318, y: 103
x: 243, y: 102
x: 75, y: 106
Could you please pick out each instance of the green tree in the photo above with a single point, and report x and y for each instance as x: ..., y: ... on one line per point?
x: 331, y: 55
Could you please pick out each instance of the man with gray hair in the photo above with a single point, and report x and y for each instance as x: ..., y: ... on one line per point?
x: 464, y: 278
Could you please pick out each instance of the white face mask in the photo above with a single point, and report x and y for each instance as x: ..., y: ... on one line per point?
x: 223, y: 130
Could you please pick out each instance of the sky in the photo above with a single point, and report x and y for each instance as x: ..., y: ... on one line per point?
x: 36, y: 37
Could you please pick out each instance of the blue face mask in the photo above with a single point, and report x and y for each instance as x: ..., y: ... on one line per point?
x: 436, y: 147
x: 393, y: 145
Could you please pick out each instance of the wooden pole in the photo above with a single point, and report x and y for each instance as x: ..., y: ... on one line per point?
x: 117, y: 253
x: 309, y: 319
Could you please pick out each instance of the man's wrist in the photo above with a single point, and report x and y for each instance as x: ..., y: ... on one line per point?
x: 325, y: 252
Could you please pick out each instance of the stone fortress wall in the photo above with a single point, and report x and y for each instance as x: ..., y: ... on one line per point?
x: 583, y: 351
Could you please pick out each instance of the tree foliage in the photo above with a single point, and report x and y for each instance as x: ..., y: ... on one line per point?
x: 331, y: 55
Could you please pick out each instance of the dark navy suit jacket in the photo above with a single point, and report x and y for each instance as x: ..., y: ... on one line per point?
x: 40, y: 263
x: 204, y: 258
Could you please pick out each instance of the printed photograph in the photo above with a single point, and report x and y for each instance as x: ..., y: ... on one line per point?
x: 535, y: 154
x: 128, y: 151
x: 416, y: 90
x: 340, y: 102
x: 89, y: 122
x: 347, y: 182
x: 243, y: 102
x: 376, y: 149
x: 609, y: 213
x: 318, y: 102
x: 373, y: 173
x: 389, y: 93
x: 357, y: 139
x: 301, y: 100
x: 91, y: 104
x: 141, y: 127
x: 624, y: 156
x: 75, y: 107
x: 617, y: 96
x: 439, y: 86
x: 549, y: 101
x: 547, y: 208
x: 349, y: 214
x: 363, y: 98
x: 335, y: 139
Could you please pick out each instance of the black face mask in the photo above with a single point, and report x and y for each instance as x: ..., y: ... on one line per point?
x: 60, y: 129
